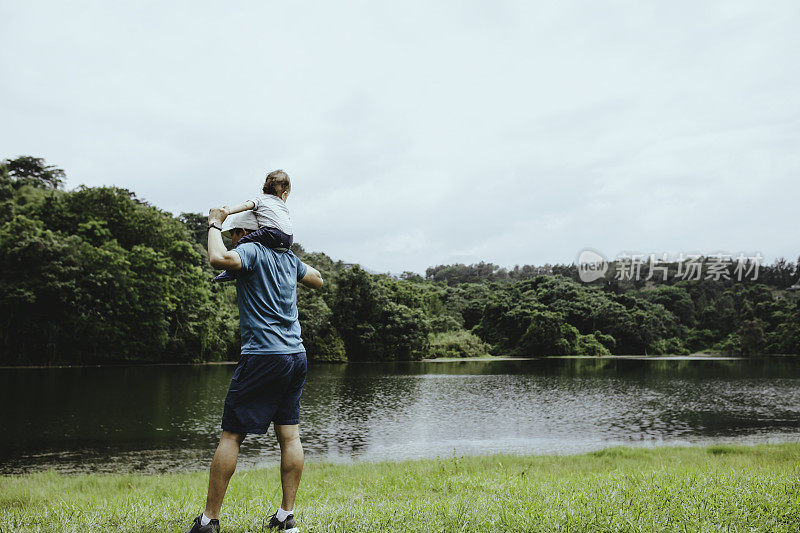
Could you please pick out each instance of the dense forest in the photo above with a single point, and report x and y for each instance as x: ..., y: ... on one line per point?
x: 97, y: 275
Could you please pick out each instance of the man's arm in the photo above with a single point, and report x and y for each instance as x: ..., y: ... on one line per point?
x: 312, y: 279
x: 219, y: 256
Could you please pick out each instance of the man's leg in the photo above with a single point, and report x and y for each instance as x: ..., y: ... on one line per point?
x: 291, y: 462
x: 222, y: 468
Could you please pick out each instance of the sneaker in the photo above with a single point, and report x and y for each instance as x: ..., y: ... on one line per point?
x: 225, y: 276
x: 211, y: 527
x: 289, y: 525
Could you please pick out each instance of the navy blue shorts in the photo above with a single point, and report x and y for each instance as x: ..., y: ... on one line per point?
x: 265, y: 389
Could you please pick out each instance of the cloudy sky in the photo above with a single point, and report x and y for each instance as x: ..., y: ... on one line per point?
x: 422, y: 133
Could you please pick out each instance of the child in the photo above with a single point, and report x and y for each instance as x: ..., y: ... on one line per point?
x: 274, y: 225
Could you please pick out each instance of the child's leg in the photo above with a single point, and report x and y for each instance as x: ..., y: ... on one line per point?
x: 269, y: 237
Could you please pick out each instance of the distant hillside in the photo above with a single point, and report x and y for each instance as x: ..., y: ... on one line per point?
x: 98, y: 275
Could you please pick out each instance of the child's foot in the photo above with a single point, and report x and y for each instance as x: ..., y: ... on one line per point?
x: 225, y: 276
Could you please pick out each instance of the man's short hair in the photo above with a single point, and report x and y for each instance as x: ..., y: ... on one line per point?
x: 277, y: 183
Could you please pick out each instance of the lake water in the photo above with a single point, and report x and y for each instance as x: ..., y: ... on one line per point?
x: 166, y: 418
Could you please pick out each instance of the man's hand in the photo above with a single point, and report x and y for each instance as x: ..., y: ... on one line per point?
x: 312, y: 279
x: 217, y: 215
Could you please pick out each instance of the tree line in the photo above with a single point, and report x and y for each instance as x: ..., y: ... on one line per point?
x: 96, y: 275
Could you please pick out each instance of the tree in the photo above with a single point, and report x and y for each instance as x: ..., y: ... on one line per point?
x: 320, y: 338
x: 752, y: 337
x: 373, y: 327
x: 675, y: 299
x: 28, y: 170
x: 197, y: 226
x: 98, y: 275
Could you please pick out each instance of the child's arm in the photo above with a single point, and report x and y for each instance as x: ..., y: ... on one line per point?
x: 248, y: 205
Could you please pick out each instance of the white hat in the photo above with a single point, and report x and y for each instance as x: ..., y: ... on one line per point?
x: 244, y: 220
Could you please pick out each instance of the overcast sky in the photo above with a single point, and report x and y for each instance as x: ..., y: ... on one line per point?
x: 422, y: 133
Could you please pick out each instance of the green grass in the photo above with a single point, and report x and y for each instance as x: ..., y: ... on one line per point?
x: 720, y: 488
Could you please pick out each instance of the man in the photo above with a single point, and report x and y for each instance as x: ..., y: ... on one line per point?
x: 269, y: 378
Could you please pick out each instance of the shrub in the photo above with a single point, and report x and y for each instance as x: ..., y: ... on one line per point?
x: 457, y: 344
x: 670, y: 346
x: 590, y: 345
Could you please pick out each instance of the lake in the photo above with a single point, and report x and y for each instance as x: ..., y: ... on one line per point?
x: 166, y: 418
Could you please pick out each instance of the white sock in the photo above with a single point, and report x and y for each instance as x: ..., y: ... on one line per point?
x: 204, y: 520
x: 281, y: 514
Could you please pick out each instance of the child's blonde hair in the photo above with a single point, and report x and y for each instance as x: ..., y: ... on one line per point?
x: 277, y: 183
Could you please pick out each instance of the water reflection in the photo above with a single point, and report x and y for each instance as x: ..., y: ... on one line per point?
x: 165, y: 418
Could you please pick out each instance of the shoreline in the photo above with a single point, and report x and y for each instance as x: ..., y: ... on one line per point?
x: 784, y: 440
x: 486, y: 358
x: 691, y: 357
x: 116, y: 365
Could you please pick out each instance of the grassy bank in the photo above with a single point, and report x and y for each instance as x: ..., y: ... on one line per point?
x: 722, y: 488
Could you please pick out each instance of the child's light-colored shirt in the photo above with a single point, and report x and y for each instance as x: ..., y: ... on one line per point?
x: 271, y: 212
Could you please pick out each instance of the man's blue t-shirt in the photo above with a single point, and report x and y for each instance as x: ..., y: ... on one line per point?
x: 266, y: 291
